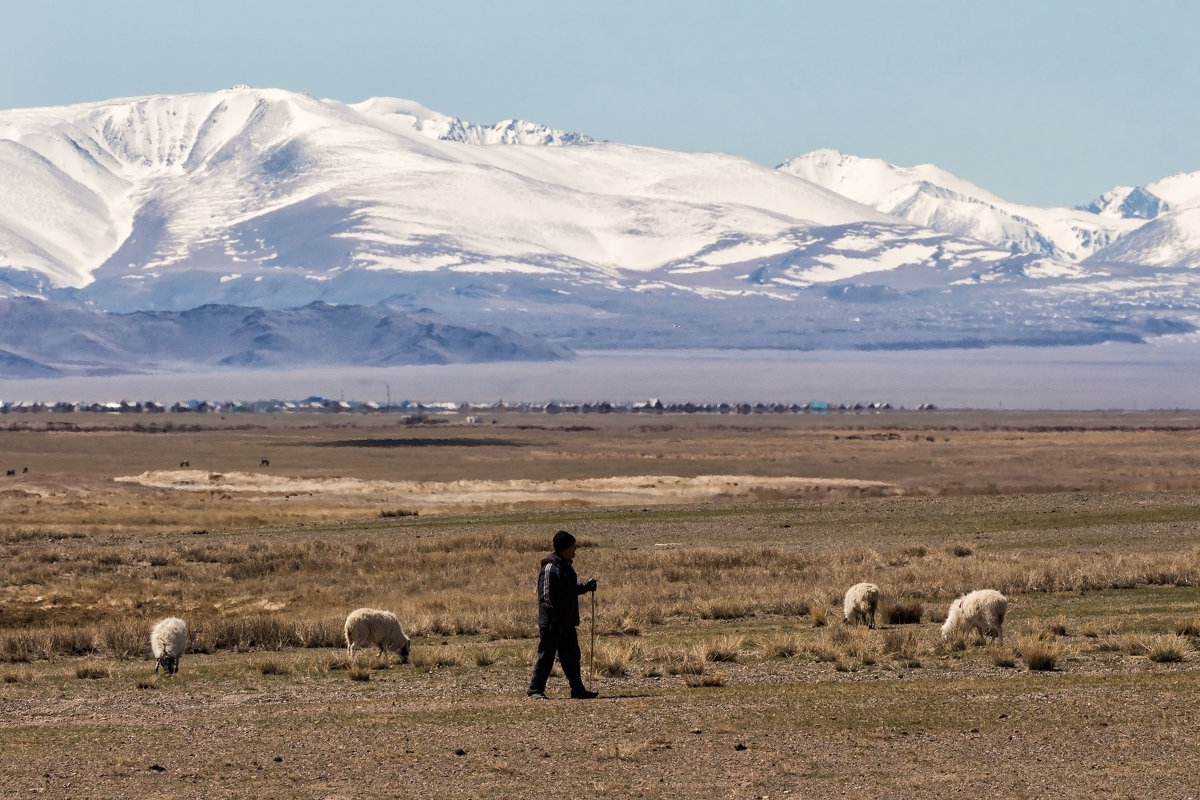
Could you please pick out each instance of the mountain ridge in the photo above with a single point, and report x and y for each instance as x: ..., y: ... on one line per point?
x: 275, y: 200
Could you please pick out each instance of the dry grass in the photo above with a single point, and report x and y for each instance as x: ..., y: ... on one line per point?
x: 718, y: 623
x: 901, y: 611
x: 1038, y: 653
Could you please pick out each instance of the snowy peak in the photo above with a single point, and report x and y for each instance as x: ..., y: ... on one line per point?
x: 1179, y: 191
x: 868, y: 179
x: 924, y: 195
x: 162, y: 134
x: 933, y: 198
x: 442, y: 127
x: 1127, y: 202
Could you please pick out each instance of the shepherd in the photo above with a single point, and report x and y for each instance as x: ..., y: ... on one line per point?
x: 558, y: 591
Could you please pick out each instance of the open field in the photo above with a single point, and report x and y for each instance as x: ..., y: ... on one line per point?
x: 722, y: 547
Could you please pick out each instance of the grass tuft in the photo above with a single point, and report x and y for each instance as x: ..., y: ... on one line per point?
x: 1189, y: 627
x: 91, y: 670
x: 272, y: 666
x: 1167, y: 649
x: 782, y: 645
x: 1039, y: 655
x: 704, y: 680
x: 725, y: 648
x: 902, y: 612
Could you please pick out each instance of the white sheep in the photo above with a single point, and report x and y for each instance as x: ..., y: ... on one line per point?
x: 168, y: 641
x: 860, y: 603
x: 365, y: 626
x: 981, y: 612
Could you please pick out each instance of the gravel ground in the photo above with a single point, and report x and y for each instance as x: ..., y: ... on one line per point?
x: 955, y: 726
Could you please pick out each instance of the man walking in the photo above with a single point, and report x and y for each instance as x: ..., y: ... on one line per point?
x: 558, y: 615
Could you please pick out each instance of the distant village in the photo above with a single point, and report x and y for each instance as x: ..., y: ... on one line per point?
x: 321, y: 405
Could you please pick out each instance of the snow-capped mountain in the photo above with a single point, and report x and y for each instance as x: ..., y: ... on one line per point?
x: 271, y: 199
x: 936, y: 199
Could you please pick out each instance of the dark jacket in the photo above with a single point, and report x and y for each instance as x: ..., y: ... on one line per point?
x: 558, y: 591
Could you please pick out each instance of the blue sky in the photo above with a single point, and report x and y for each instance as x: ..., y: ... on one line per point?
x: 1041, y: 102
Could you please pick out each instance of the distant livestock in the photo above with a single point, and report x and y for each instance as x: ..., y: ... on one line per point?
x: 860, y: 604
x: 168, y: 640
x: 264, y: 463
x: 183, y: 464
x: 981, y: 612
x: 367, y: 626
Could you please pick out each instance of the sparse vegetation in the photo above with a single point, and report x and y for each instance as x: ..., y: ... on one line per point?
x: 713, y: 625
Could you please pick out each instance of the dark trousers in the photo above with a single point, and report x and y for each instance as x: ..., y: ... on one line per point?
x: 561, y: 641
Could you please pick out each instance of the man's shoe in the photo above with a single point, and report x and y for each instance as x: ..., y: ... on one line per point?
x: 535, y: 695
x: 586, y: 694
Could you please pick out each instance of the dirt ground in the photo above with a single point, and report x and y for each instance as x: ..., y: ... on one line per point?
x: 293, y: 724
x: 471, y: 733
x: 258, y: 469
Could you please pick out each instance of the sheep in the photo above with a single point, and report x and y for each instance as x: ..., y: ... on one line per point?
x: 862, y: 599
x: 168, y: 640
x: 980, y: 611
x: 365, y: 626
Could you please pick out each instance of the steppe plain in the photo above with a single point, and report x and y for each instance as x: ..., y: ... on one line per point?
x: 722, y: 545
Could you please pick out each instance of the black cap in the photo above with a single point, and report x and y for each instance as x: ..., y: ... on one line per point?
x: 563, y: 540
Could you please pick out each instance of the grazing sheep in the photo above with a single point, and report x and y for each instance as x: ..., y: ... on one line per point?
x: 981, y: 612
x: 862, y: 599
x: 168, y: 640
x: 366, y: 626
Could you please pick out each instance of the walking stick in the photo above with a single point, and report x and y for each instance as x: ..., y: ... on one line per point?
x: 592, y: 650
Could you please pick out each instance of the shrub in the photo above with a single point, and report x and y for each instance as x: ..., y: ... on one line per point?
x: 782, y: 645
x: 611, y: 663
x: 1167, y: 649
x: 77, y: 642
x: 486, y: 656
x: 900, y: 643
x: 1039, y: 655
x: 684, y: 664
x: 435, y: 657
x: 723, y: 609
x: 123, y: 640
x: 902, y: 612
x: 1003, y: 658
x: 1190, y: 627
x: 705, y: 680
x: 727, y: 648
x: 18, y: 676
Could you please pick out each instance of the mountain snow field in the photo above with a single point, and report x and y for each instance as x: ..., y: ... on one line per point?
x: 121, y: 216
